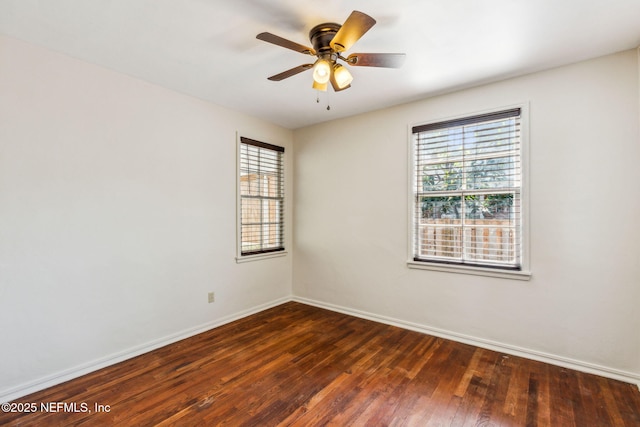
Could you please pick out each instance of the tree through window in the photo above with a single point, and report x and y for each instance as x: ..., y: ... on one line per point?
x: 467, y: 191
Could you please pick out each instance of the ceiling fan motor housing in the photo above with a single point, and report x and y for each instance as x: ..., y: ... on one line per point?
x: 321, y: 36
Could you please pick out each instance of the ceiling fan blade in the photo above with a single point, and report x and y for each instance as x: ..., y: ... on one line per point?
x: 291, y: 72
x: 279, y: 41
x: 353, y: 28
x: 386, y: 60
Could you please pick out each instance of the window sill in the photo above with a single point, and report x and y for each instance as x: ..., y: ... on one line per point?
x: 249, y: 258
x: 477, y: 271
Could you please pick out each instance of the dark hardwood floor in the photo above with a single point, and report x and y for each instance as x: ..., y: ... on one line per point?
x: 296, y: 365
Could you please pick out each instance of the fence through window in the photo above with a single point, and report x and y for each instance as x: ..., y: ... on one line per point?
x: 261, y: 197
x: 467, y: 188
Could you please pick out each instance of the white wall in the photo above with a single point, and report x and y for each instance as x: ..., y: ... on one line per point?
x: 581, y: 304
x: 117, y: 216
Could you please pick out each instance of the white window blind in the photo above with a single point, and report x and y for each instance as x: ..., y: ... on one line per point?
x: 467, y: 188
x: 261, y: 197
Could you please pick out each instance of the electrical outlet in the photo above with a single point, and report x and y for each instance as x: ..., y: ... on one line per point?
x: 211, y: 297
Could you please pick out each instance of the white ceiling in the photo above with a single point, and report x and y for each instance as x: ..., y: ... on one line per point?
x: 208, y: 49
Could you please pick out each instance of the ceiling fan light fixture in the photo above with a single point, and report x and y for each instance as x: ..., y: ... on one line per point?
x: 329, y: 40
x: 342, y: 76
x: 320, y: 86
x: 321, y: 71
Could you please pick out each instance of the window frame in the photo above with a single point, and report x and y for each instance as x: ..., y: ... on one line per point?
x: 259, y: 254
x: 524, y: 272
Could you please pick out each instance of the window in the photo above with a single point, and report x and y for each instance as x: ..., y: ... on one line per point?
x: 467, y: 192
x: 261, y: 198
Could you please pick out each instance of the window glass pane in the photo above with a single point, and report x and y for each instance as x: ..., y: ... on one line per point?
x: 490, y: 137
x: 440, y: 241
x: 261, y: 197
x: 491, y: 242
x: 251, y: 237
x: 442, y: 177
x: 497, y: 172
x: 489, y: 206
x: 439, y: 227
x: 436, y: 208
x: 467, y: 184
x: 251, y: 211
x: 271, y: 185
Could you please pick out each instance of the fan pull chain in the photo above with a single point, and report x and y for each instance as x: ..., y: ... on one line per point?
x: 318, y: 100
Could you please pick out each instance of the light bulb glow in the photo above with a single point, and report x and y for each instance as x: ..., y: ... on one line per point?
x: 342, y: 76
x: 321, y: 71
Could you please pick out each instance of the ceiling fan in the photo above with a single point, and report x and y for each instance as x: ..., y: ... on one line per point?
x: 329, y: 41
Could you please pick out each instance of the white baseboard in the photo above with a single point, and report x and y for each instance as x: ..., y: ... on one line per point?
x: 21, y: 390
x: 551, y: 359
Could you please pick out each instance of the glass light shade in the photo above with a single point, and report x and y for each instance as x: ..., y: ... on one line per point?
x: 320, y: 86
x: 321, y: 71
x: 342, y: 76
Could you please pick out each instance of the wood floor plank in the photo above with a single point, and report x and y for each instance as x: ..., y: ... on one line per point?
x: 543, y: 417
x: 297, y: 365
x: 518, y: 392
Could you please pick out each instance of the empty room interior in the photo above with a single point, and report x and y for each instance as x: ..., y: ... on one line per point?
x: 201, y: 225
